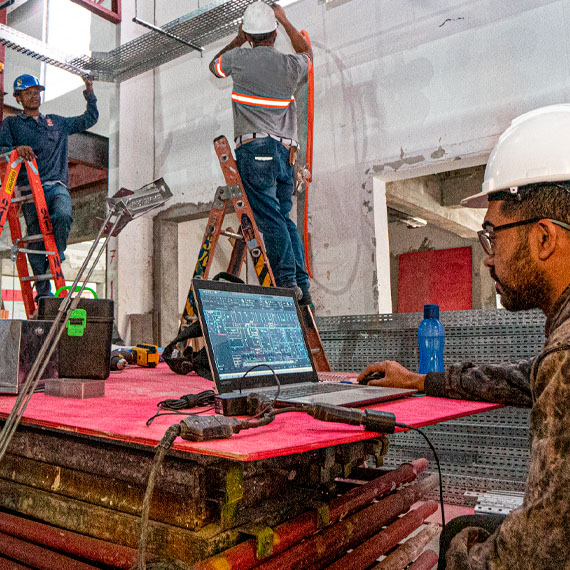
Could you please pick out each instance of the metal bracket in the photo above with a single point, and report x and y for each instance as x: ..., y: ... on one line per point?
x: 263, y: 537
x: 130, y: 206
x: 167, y: 34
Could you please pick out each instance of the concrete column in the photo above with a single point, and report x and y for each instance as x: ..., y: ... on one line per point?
x: 382, y: 247
x: 132, y: 284
x: 165, y: 271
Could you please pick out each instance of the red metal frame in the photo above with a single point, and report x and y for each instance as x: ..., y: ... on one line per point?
x: 112, y: 15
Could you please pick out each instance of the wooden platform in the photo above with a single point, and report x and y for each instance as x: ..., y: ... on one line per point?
x: 131, y: 397
x: 83, y: 465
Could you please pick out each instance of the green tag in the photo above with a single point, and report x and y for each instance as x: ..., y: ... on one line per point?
x: 77, y: 327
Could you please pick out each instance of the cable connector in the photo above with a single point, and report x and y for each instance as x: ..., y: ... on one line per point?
x: 372, y: 420
x: 382, y: 422
x: 206, y: 428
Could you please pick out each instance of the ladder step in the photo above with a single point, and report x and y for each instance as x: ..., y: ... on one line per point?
x: 31, y: 251
x: 22, y: 199
x: 44, y: 277
x: 231, y: 234
x: 32, y: 238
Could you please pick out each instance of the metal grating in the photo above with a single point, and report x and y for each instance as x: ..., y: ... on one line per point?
x: 204, y: 26
x: 484, y: 452
x: 479, y: 336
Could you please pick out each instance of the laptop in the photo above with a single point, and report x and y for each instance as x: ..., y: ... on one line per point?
x: 252, y: 332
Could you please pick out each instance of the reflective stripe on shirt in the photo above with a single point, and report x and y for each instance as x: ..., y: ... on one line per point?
x: 219, y: 70
x: 262, y: 101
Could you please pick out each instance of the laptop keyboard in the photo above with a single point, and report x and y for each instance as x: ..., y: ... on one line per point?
x: 316, y: 388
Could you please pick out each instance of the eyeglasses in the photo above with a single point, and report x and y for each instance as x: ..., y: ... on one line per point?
x: 487, y: 235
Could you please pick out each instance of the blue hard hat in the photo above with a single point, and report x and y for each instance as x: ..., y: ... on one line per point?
x: 24, y: 81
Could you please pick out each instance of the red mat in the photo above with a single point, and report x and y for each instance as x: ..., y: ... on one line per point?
x: 132, y: 394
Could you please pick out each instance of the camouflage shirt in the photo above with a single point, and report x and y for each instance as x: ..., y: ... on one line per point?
x: 537, y: 535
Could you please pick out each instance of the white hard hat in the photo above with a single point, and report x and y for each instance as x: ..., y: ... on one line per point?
x: 259, y: 18
x: 535, y: 148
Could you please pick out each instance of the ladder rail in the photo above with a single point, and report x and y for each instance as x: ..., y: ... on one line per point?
x: 206, y: 253
x: 251, y: 243
x: 21, y: 261
x: 45, y: 223
x: 9, y: 211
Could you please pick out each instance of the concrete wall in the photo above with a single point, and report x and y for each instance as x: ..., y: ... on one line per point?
x: 402, y: 89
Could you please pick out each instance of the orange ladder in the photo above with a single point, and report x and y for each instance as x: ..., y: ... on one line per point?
x: 248, y: 238
x: 9, y: 209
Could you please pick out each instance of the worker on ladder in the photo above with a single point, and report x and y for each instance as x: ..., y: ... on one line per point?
x: 44, y: 137
x: 265, y: 131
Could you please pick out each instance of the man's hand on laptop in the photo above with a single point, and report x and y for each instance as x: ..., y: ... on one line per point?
x: 392, y: 375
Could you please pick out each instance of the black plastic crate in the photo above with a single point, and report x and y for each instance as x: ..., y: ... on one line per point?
x: 89, y: 355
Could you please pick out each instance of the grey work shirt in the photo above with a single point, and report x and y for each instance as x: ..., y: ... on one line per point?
x: 264, y: 82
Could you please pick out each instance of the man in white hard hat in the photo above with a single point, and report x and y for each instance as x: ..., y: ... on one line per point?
x: 526, y: 237
x: 265, y: 131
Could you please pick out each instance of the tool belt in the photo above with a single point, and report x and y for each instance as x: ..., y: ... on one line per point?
x: 250, y: 136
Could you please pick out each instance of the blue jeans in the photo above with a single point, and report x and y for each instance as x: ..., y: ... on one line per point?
x: 58, y: 202
x: 269, y: 183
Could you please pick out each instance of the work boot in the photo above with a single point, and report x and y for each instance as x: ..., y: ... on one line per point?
x: 297, y: 290
x: 306, y: 299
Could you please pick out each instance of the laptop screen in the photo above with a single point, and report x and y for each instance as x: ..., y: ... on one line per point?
x: 246, y: 326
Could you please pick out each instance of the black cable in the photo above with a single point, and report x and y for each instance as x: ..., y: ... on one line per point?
x: 159, y: 414
x: 438, y: 466
x: 274, y: 376
x: 163, y: 446
x: 188, y: 401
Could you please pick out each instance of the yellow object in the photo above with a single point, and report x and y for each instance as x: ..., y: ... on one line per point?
x: 145, y: 355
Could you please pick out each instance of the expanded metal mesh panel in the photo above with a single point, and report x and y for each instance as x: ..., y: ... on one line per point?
x: 201, y: 27
x: 204, y: 26
x: 476, y: 336
x: 483, y: 452
x: 479, y: 453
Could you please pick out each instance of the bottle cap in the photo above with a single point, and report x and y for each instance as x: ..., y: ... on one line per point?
x: 431, y: 311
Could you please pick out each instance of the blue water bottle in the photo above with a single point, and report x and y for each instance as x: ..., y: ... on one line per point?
x: 431, y: 339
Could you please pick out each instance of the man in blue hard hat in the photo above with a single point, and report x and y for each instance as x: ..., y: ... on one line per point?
x: 265, y: 131
x: 45, y: 138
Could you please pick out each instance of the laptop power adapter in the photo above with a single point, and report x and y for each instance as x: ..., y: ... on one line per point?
x: 231, y: 404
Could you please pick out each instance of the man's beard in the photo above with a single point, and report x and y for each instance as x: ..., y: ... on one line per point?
x: 528, y: 288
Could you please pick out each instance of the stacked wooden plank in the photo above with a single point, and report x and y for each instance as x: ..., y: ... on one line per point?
x: 81, y: 498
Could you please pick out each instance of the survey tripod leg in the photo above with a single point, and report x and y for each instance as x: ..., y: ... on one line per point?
x: 121, y: 211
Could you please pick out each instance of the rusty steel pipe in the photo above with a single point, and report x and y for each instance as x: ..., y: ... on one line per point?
x: 366, y: 553
x: 38, y: 557
x: 426, y: 561
x: 406, y: 553
x: 93, y: 549
x: 334, y: 541
x: 243, y: 556
x: 6, y: 564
